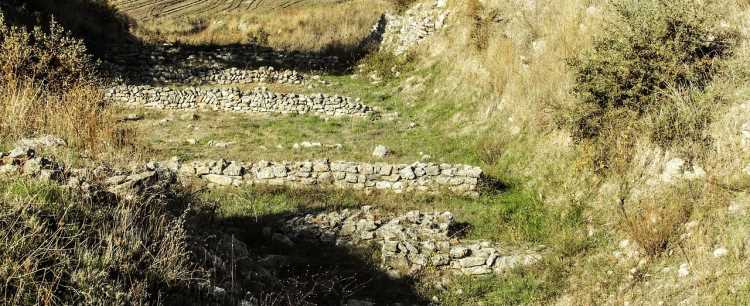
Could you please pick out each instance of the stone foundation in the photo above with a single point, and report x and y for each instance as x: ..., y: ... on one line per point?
x: 177, y: 75
x: 235, y: 100
x: 409, y: 242
x: 416, y: 177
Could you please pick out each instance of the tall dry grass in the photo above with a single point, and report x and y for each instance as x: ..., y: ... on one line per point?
x: 49, y: 86
x: 314, y: 28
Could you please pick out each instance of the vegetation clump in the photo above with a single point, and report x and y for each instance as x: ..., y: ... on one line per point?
x: 48, y: 85
x: 62, y: 248
x: 655, y: 60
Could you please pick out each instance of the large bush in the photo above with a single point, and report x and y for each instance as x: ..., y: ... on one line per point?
x: 653, y: 56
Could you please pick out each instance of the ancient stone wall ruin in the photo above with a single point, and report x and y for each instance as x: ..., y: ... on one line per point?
x: 171, y: 64
x: 204, y: 76
x: 416, y: 177
x: 402, y: 32
x: 409, y: 242
x: 234, y: 100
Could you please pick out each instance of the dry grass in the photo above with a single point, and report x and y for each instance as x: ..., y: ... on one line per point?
x: 49, y: 87
x: 655, y: 220
x: 314, y: 28
x: 61, y: 248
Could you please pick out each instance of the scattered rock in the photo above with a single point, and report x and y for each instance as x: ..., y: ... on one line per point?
x: 19, y: 152
x: 381, y: 151
x: 221, y: 180
x: 720, y: 252
x: 46, y: 141
x: 678, y: 168
x: 684, y: 270
x: 133, y: 117
x: 411, y: 241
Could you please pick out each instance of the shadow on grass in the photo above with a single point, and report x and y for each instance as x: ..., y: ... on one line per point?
x: 313, y: 273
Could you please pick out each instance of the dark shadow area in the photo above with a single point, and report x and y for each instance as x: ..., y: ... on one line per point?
x: 97, y: 23
x: 492, y: 186
x: 312, y: 273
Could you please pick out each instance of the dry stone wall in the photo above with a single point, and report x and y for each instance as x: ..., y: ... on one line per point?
x: 202, y: 76
x: 416, y: 177
x: 402, y: 32
x: 171, y: 64
x: 409, y: 242
x: 234, y: 100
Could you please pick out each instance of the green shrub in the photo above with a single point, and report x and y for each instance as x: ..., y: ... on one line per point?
x: 386, y: 65
x: 652, y: 45
x: 49, y: 56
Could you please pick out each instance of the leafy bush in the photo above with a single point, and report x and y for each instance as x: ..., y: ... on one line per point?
x: 652, y: 49
x: 386, y: 65
x: 52, y: 58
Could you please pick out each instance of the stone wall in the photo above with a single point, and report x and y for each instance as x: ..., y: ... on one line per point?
x: 170, y: 64
x: 234, y: 100
x: 200, y: 76
x: 416, y: 177
x: 409, y: 243
x: 402, y: 32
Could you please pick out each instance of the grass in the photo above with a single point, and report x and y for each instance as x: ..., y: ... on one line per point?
x: 494, y: 94
x: 318, y: 28
x: 61, y: 248
x: 514, y: 218
x: 257, y: 137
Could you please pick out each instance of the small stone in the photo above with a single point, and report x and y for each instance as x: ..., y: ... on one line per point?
x: 217, y: 179
x: 234, y: 169
x: 721, y: 252
x: 473, y: 261
x: 459, y: 252
x: 407, y: 173
x: 381, y: 151
x: 684, y: 270
x: 133, y: 117
x: 21, y: 152
x: 440, y: 260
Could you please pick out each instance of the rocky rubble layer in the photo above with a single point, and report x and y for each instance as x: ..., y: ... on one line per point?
x: 169, y: 63
x: 410, y: 242
x: 416, y: 177
x: 402, y: 32
x: 259, y: 100
x: 24, y: 162
x: 162, y: 74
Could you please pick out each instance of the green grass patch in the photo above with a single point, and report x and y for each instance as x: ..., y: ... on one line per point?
x: 28, y: 191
